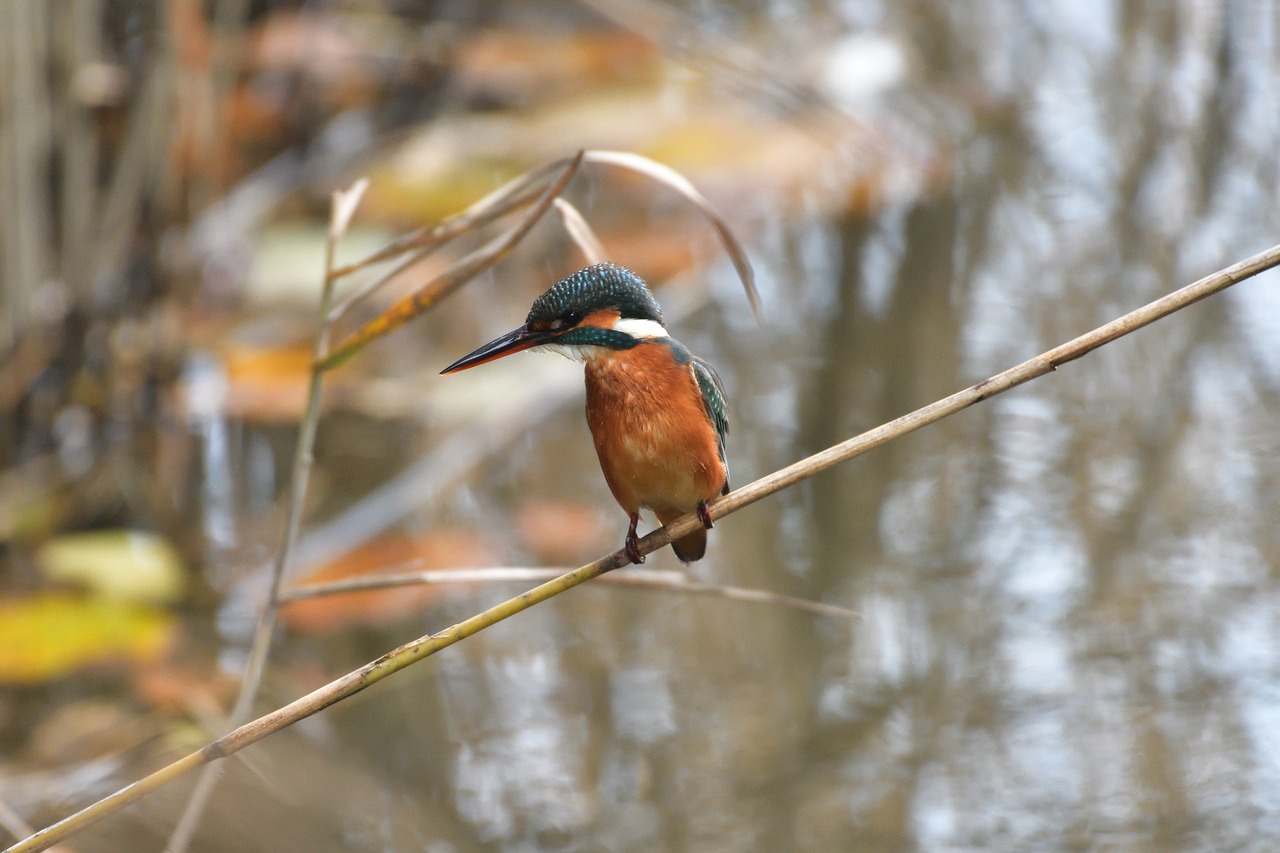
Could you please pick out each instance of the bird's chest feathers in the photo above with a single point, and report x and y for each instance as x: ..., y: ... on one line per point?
x: 650, y: 428
x: 639, y: 402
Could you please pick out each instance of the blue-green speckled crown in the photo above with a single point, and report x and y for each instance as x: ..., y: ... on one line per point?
x: 596, y: 287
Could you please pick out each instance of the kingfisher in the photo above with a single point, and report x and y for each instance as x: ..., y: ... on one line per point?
x: 656, y: 412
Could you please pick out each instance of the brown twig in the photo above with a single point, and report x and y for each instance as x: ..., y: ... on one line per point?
x: 410, y: 653
x: 515, y: 194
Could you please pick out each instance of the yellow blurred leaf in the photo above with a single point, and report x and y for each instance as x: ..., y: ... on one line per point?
x: 518, y: 65
x: 52, y: 635
x: 120, y: 565
x: 267, y: 383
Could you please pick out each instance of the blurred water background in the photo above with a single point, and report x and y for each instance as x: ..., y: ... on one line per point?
x: 1069, y: 632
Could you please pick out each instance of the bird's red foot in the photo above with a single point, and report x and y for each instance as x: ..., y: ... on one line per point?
x: 703, y: 515
x: 633, y: 542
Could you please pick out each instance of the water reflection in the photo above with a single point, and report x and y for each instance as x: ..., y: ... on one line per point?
x: 1068, y: 634
x: 1069, y: 611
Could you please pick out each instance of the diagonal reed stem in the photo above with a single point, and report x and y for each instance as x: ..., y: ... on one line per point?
x: 412, y: 652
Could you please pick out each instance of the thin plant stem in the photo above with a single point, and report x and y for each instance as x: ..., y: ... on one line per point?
x: 423, y: 647
x: 517, y: 193
x: 655, y: 580
x: 344, y: 204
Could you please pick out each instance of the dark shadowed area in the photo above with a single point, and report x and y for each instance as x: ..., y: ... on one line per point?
x: 1069, y: 632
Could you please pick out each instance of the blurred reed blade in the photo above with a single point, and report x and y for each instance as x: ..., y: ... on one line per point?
x: 442, y: 285
x: 580, y: 232
x: 670, y: 177
x: 12, y: 822
x: 78, y: 43
x: 345, y: 203
x: 512, y: 195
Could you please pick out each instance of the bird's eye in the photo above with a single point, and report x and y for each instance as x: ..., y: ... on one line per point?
x: 571, y: 318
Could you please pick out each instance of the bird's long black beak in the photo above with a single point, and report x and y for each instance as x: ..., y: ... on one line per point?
x: 514, y: 341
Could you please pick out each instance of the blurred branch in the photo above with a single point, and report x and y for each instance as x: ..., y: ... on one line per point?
x: 139, y: 166
x: 412, y: 652
x: 658, y: 580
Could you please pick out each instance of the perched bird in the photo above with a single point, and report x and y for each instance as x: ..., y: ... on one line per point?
x: 656, y: 412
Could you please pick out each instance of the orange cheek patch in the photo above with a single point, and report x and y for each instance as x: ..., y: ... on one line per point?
x: 603, y: 319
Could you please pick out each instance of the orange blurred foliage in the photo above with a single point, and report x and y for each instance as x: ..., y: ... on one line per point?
x: 562, y: 533
x: 395, y: 552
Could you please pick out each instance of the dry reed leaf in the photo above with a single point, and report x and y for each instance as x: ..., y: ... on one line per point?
x: 345, y: 203
x: 580, y: 232
x: 669, y: 177
x: 458, y: 274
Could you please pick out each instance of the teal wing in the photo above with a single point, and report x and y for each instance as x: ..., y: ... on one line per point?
x: 713, y: 400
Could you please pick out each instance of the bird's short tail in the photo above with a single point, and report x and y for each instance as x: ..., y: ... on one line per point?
x: 690, y: 548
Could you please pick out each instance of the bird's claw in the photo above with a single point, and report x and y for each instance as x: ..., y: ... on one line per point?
x: 633, y: 542
x: 704, y: 515
x: 633, y: 549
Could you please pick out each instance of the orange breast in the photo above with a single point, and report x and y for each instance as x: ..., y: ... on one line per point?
x: 657, y: 447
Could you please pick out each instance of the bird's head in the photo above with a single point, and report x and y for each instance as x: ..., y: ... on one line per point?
x: 600, y: 308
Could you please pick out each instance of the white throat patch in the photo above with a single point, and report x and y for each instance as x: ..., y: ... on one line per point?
x: 641, y: 329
